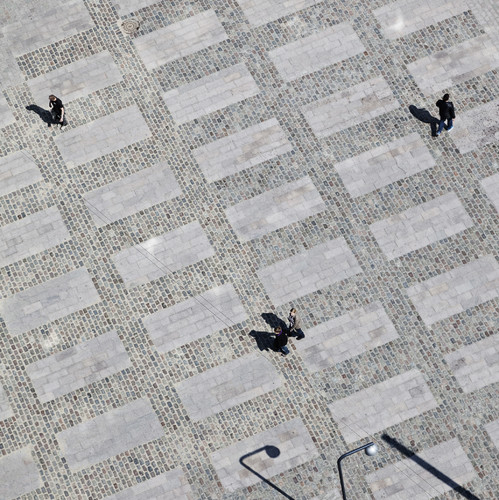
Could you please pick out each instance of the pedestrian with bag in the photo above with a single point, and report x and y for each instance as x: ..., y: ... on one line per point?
x: 446, y: 112
x: 295, y: 324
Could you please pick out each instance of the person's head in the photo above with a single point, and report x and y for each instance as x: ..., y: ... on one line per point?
x: 278, y: 330
x: 293, y: 311
x: 445, y: 97
x: 52, y: 97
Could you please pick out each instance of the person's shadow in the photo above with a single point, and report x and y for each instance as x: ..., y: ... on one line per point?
x: 265, y: 340
x: 44, y: 114
x: 423, y: 115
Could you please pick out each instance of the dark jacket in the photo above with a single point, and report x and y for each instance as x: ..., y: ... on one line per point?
x: 280, y: 341
x: 445, y: 109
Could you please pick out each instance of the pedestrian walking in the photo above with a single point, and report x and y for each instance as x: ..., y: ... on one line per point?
x: 295, y: 324
x: 57, y: 110
x: 447, y: 113
x: 280, y: 341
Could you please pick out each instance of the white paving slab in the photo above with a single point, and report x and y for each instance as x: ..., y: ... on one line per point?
x: 491, y: 187
x: 126, y: 6
x: 283, y: 206
x: 244, y: 149
x: 384, y: 165
x: 195, y: 318
x: 6, y: 116
x: 5, y: 408
x: 18, y: 474
x: 17, y: 171
x: 455, y: 291
x: 260, y: 12
x: 493, y: 431
x: 363, y: 101
x: 211, y: 93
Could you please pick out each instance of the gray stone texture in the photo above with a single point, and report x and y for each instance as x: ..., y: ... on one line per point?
x: 103, y: 136
x: 316, y: 51
x: 244, y: 149
x: 227, y: 385
x: 5, y: 408
x: 31, y: 235
x: 306, y: 272
x: 382, y: 405
x: 180, y: 39
x: 126, y: 6
x: 420, y: 226
x: 48, y: 301
x: 491, y: 187
x: 493, y: 431
x: 18, y: 474
x: 211, y: 93
x: 260, y: 12
x: 291, y: 438
x: 455, y: 291
x: 17, y: 171
x: 109, y: 434
x: 363, y: 101
x: 282, y: 206
x: 132, y: 193
x: 195, y: 318
x: 78, y: 366
x: 163, y: 254
x: 384, y: 165
x: 346, y: 336
x: 408, y: 480
x: 6, y: 116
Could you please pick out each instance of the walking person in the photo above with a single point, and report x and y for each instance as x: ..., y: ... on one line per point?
x: 280, y: 341
x: 295, y: 324
x: 57, y: 110
x: 446, y: 112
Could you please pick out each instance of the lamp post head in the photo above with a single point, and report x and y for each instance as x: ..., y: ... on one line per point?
x: 372, y: 450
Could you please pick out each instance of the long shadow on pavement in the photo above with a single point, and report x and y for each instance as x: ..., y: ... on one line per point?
x: 423, y: 115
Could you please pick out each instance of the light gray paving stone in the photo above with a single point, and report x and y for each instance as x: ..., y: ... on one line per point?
x: 403, y: 17
x: 126, y: 6
x: 195, y: 318
x: 476, y: 365
x: 314, y: 52
x: 211, y: 93
x: 260, y: 12
x: 77, y: 79
x: 291, y: 438
x: 5, y: 408
x: 384, y: 165
x: 6, y: 116
x: 180, y: 39
x: 363, y: 101
x: 477, y: 127
x: 131, y: 194
x: 18, y: 474
x: 49, y: 301
x: 493, y: 431
x: 31, y: 235
x: 306, y: 272
x: 382, y: 405
x: 109, y: 434
x: 407, y: 480
x: 162, y: 254
x: 227, y: 385
x: 420, y: 226
x: 455, y: 65
x: 242, y: 150
x: 17, y: 171
x: 346, y: 336
x: 283, y: 205
x: 78, y: 366
x: 103, y: 136
x: 457, y: 290
x: 170, y: 485
x: 491, y: 187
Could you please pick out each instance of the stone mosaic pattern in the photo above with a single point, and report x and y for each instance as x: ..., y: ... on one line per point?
x: 18, y: 473
x: 16, y: 172
x: 5, y: 409
x: 6, y: 116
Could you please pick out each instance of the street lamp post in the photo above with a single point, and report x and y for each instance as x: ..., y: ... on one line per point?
x: 371, y: 449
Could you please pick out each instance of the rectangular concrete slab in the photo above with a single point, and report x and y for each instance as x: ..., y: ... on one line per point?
x: 408, y: 479
x: 163, y: 254
x: 133, y: 193
x: 455, y: 291
x: 31, y: 235
x: 384, y: 165
x: 281, y: 206
x: 260, y: 12
x: 103, y: 136
x: 493, y: 431
x: 420, y: 226
x: 109, y: 434
x: 455, y: 65
x: 382, y: 405
x: 476, y: 365
x: 18, y: 474
x: 316, y: 51
x: 126, y: 6
x: 78, y: 366
x: 291, y: 439
x: 195, y: 318
x: 180, y: 39
x: 17, y: 171
x: 5, y: 408
x: 227, y: 385
x: 48, y: 301
x: 364, y: 101
x: 491, y: 187
x: 236, y: 152
x: 77, y: 79
x: 306, y: 272
x: 6, y: 116
x: 211, y: 93
x: 346, y: 336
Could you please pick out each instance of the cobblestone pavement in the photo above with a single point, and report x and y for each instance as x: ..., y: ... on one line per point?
x: 226, y: 161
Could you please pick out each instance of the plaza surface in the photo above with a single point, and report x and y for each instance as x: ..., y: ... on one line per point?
x: 223, y: 163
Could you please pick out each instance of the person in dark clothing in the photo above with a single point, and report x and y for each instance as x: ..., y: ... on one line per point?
x: 446, y: 111
x: 280, y: 341
x: 57, y: 110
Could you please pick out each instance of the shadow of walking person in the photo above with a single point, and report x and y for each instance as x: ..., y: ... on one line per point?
x: 423, y: 115
x: 264, y: 340
x: 44, y: 114
x: 272, y: 320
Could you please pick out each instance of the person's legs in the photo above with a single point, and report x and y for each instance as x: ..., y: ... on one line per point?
x: 450, y: 126
x: 299, y: 334
x: 440, y: 127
